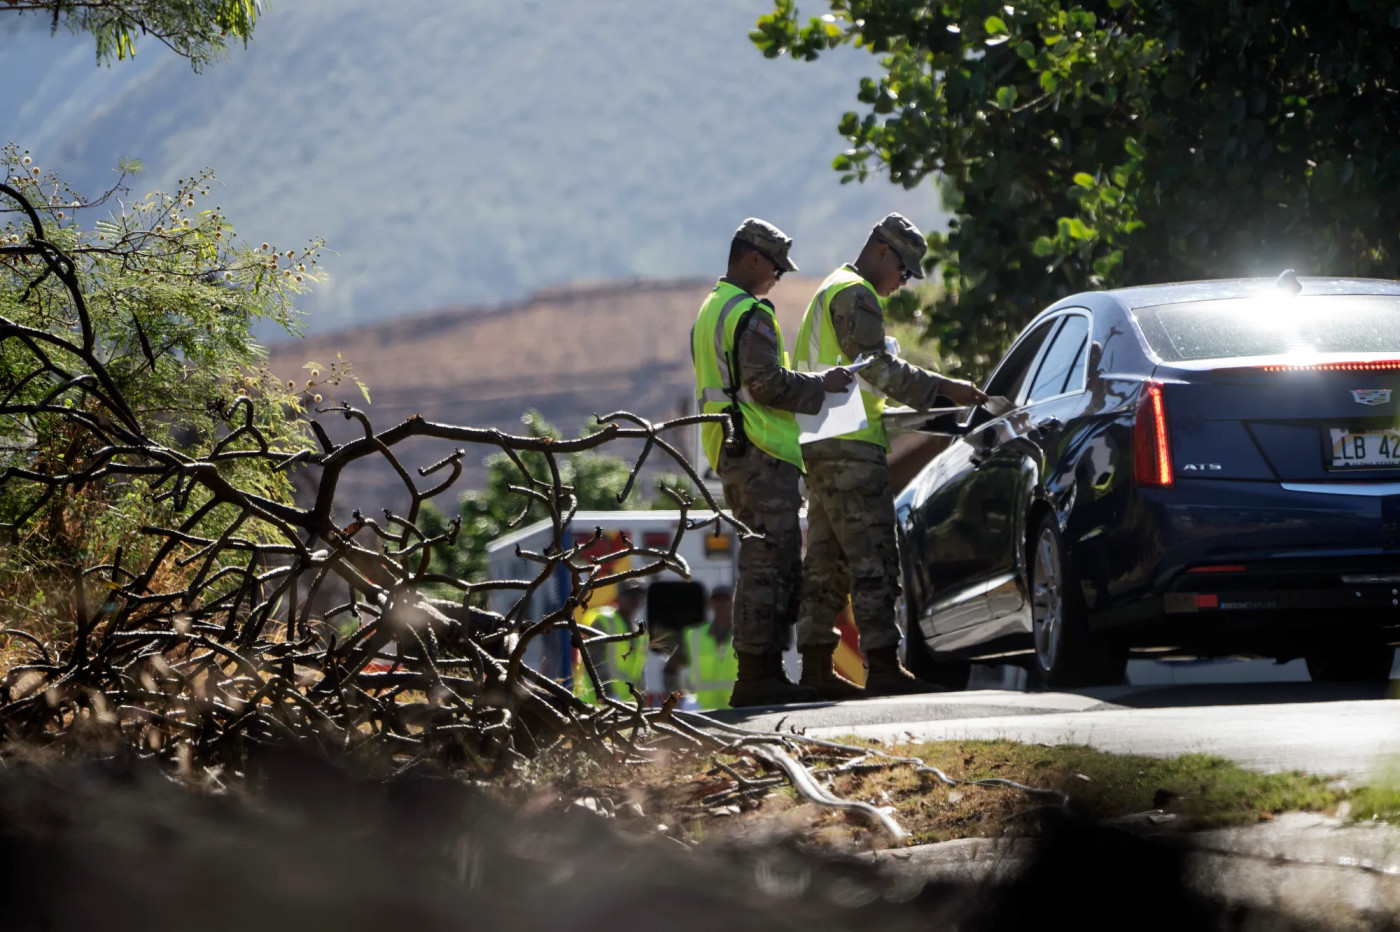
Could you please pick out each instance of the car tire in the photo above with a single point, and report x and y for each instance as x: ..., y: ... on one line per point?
x: 1358, y: 663
x: 1067, y: 653
x: 952, y: 675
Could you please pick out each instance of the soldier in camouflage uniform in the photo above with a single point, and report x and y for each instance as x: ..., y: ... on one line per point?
x: 851, y: 542
x: 741, y: 369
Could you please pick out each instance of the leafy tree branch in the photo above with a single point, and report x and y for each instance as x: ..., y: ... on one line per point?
x: 1119, y: 142
x: 197, y: 30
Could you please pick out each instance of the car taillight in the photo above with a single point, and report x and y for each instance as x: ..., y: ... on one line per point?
x: 1152, y: 461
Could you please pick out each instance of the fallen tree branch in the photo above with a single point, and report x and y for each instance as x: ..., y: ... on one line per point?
x: 806, y: 784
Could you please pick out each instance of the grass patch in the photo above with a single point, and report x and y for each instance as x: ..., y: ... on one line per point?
x: 1200, y: 790
x: 1375, y: 803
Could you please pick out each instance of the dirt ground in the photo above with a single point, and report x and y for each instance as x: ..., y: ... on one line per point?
x: 698, y: 801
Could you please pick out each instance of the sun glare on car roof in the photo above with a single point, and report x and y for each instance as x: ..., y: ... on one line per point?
x: 1272, y: 325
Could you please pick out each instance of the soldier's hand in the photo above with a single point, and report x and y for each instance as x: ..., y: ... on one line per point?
x: 837, y: 380
x: 962, y: 393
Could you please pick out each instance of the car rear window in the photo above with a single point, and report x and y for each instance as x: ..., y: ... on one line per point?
x: 1269, y: 326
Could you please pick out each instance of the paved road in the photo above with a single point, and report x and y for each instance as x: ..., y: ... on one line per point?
x: 1343, y: 730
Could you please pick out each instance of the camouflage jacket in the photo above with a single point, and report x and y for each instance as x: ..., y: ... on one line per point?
x: 859, y: 322
x: 762, y: 371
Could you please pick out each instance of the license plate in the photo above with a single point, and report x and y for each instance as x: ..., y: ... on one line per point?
x: 1351, y: 449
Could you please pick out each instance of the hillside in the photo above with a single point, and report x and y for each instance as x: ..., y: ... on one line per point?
x: 571, y: 352
x: 471, y: 153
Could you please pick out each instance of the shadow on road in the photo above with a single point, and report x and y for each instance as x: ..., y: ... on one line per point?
x: 1002, y: 690
x: 1200, y: 694
x: 1221, y: 681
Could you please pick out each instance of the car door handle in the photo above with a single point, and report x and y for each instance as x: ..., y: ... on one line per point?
x: 1046, y: 425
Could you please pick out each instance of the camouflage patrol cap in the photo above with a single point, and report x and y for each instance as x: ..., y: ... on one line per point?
x: 904, y: 238
x: 767, y: 239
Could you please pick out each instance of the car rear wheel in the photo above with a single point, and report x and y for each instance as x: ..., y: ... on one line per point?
x: 920, y: 661
x: 1359, y: 663
x: 1067, y: 653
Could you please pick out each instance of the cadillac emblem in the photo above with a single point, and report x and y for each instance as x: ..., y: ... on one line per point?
x: 1371, y: 396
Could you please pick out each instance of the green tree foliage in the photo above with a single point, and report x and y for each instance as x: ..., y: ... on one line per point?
x: 597, y: 480
x: 198, y: 30
x: 172, y: 295
x: 906, y: 322
x: 1117, y: 142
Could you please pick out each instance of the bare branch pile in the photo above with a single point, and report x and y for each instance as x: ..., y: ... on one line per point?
x: 220, y: 639
x: 238, y: 652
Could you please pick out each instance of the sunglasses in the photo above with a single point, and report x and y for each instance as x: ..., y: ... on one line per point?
x: 905, y: 273
x: 778, y: 270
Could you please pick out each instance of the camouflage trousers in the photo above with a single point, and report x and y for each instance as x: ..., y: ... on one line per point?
x: 852, y: 549
x: 763, y: 493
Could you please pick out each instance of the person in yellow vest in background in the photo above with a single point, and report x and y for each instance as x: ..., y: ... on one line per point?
x: 618, y: 662
x: 712, y: 665
x: 852, y: 548
x: 741, y: 369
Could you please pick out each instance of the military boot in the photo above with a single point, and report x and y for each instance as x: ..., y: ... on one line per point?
x: 886, y: 676
x: 819, y: 672
x: 762, y: 681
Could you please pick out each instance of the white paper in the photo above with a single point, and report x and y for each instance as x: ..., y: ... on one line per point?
x: 860, y: 362
x: 841, y: 413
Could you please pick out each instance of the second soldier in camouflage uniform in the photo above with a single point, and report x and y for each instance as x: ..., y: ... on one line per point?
x: 851, y: 542
x: 740, y: 369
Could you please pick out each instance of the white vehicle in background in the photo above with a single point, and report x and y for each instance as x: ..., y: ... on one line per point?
x: 713, y: 558
x: 711, y: 554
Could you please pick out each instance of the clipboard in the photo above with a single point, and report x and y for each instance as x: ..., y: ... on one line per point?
x: 841, y: 413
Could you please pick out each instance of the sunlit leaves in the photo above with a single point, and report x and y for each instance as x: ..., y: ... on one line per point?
x: 198, y: 30
x: 172, y: 296
x: 175, y: 296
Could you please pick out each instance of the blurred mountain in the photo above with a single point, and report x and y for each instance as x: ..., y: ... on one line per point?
x: 471, y: 153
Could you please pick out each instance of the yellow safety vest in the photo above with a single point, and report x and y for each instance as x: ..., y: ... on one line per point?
x: 711, y: 346
x: 818, y: 350
x: 713, y: 668
x: 625, y: 661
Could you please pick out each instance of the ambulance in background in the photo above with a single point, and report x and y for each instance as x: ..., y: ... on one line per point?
x: 711, y: 554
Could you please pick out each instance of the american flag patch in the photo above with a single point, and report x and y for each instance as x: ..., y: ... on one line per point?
x: 868, y: 302
x: 765, y: 331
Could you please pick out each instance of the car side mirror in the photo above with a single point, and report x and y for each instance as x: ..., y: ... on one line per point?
x: 942, y: 421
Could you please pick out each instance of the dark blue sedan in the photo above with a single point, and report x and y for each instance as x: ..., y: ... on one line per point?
x: 1206, y: 468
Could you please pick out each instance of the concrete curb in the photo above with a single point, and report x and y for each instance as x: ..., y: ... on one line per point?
x: 1316, y: 870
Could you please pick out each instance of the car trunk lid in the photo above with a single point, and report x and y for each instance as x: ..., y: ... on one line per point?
x: 1318, y: 420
